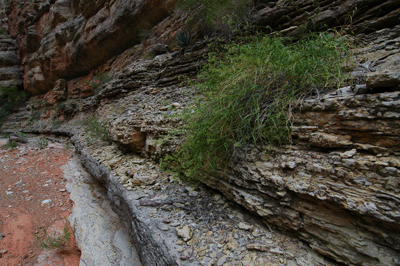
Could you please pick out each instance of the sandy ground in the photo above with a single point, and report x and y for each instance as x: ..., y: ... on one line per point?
x: 33, y: 199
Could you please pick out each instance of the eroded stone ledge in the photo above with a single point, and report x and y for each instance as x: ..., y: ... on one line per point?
x: 173, y: 223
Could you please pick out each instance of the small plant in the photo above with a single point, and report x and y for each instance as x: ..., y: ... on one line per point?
x: 99, y: 80
x: 21, y: 134
x: 149, y: 56
x: 5, y: 135
x: 42, y: 143
x: 184, y: 38
x: 35, y: 115
x: 95, y: 130
x: 10, y: 145
x: 66, y: 146
x: 52, y: 241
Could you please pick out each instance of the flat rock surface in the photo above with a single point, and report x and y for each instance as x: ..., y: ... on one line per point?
x: 102, y: 238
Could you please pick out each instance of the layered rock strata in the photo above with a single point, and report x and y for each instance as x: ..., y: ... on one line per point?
x: 340, y: 192
x: 173, y: 223
x: 336, y: 187
x: 68, y: 39
x: 10, y: 69
x: 293, y: 17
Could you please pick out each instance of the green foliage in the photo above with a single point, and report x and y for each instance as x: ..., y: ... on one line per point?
x: 52, y: 241
x: 184, y: 38
x: 9, y: 98
x: 35, y: 116
x: 99, y: 80
x: 67, y: 146
x: 10, y: 145
x: 21, y: 134
x: 220, y: 15
x: 247, y: 93
x: 95, y: 130
x: 5, y: 135
x: 42, y: 143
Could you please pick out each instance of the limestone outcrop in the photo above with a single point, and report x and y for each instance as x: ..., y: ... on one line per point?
x: 68, y: 39
x: 336, y: 187
x: 334, y: 191
x: 357, y: 16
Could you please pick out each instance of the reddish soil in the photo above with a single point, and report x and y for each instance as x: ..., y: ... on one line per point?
x: 23, y: 214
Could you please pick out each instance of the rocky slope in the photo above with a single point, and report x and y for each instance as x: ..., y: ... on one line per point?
x: 335, y: 188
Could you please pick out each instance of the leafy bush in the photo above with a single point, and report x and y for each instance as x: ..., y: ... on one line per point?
x: 95, y: 130
x: 247, y: 93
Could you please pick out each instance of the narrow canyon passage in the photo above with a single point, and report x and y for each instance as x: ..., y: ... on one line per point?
x: 35, y: 187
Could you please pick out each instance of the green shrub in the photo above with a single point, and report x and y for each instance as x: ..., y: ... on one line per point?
x: 95, y: 130
x: 99, y: 80
x: 246, y: 94
x: 21, y: 134
x: 9, y: 98
x: 42, y: 143
x: 10, y: 145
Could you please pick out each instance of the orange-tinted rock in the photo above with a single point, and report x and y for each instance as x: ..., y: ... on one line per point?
x: 56, y: 41
x: 58, y: 93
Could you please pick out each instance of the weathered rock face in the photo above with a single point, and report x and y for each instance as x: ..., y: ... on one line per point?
x: 335, y: 191
x: 101, y: 236
x: 67, y: 39
x: 336, y: 187
x: 174, y: 224
x: 10, y: 72
x: 292, y: 17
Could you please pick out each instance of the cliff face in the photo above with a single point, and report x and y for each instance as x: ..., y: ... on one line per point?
x: 336, y: 187
x: 68, y: 39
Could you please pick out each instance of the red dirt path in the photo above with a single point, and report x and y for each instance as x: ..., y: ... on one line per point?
x: 22, y: 213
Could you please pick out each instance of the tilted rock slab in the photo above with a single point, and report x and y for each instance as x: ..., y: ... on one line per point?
x: 337, y: 187
x: 152, y: 249
x: 172, y: 223
x: 101, y: 236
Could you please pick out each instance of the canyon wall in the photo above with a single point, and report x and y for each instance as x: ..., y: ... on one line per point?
x: 336, y: 187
